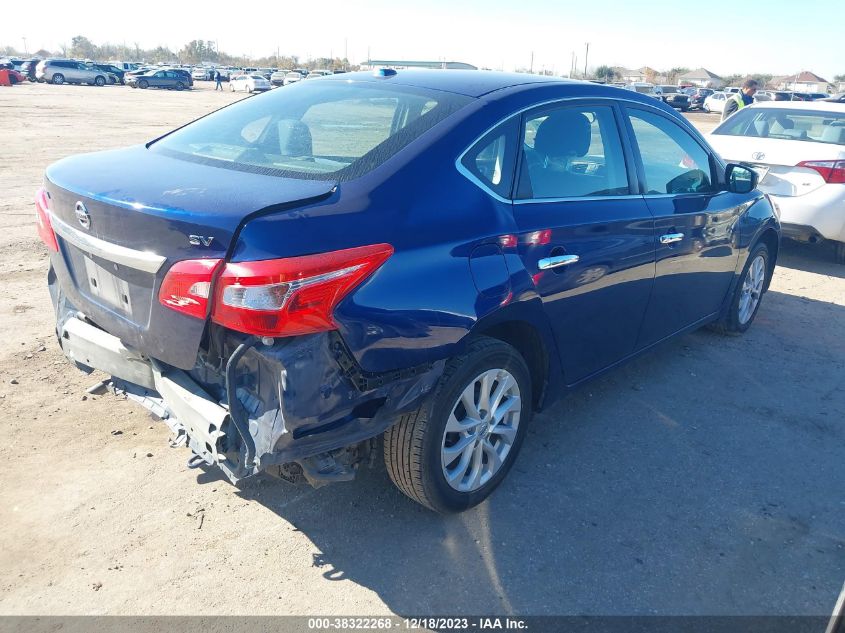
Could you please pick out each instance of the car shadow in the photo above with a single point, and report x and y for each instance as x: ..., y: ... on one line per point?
x: 814, y: 258
x: 702, y: 478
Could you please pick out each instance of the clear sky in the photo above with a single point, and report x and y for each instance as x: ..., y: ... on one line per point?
x: 778, y: 37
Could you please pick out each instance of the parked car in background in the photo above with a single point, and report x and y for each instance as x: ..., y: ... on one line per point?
x: 249, y: 83
x: 60, y: 71
x: 264, y: 72
x: 772, y: 95
x: 731, y: 89
x: 697, y: 97
x: 837, y: 98
x: 642, y: 88
x: 160, y: 79
x: 201, y: 74
x: 316, y: 74
x: 184, y: 72
x: 28, y: 68
x: 125, y: 66
x: 278, y: 77
x: 798, y: 150
x: 284, y: 289
x: 673, y: 97
x: 716, y: 102
x: 117, y: 73
x: 292, y: 77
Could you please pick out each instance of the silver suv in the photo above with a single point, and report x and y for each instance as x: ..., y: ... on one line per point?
x: 60, y: 71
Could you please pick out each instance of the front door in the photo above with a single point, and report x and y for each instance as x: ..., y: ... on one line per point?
x: 586, y: 236
x: 695, y: 224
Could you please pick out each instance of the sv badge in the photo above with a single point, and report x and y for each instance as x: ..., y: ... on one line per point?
x: 200, y: 240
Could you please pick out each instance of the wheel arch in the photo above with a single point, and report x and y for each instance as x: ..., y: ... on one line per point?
x: 528, y: 341
x: 771, y: 239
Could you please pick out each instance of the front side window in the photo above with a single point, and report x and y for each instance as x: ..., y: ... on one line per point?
x: 673, y: 161
x: 572, y: 152
x: 315, y: 130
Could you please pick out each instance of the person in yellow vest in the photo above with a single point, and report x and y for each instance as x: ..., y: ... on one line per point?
x: 738, y: 100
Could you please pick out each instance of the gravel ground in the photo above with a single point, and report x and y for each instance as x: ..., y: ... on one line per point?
x: 704, y: 478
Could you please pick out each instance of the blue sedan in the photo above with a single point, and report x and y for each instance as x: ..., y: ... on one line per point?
x: 406, y: 262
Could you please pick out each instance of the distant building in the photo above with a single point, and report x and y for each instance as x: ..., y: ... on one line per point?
x: 805, y: 82
x: 702, y: 78
x: 372, y: 64
x: 635, y: 76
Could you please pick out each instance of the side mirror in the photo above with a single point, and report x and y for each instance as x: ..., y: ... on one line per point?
x: 740, y: 178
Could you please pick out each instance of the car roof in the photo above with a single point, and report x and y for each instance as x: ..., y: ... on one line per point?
x: 821, y: 106
x: 471, y: 83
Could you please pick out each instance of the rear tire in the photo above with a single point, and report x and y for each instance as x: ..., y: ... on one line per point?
x: 58, y: 79
x: 180, y: 85
x: 143, y: 84
x: 417, y: 447
x: 748, y: 294
x: 100, y: 81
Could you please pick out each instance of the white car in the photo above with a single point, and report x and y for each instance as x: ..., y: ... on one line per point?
x: 249, y: 83
x: 716, y: 102
x: 199, y: 73
x: 292, y: 77
x: 798, y: 150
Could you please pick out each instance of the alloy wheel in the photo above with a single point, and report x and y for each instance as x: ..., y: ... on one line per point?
x: 752, y: 289
x: 481, y: 430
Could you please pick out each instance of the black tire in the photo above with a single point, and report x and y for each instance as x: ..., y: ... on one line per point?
x: 412, y: 445
x: 143, y: 84
x: 839, y: 252
x: 100, y: 81
x: 180, y: 85
x: 731, y: 322
x: 58, y: 79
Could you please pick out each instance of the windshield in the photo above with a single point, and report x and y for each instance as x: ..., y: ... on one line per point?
x: 793, y: 125
x: 316, y: 130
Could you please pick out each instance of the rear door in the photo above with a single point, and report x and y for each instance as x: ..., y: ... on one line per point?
x: 586, y: 236
x: 694, y: 221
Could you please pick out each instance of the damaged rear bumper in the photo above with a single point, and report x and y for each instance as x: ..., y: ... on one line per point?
x: 299, y: 400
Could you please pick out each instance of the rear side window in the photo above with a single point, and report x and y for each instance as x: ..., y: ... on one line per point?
x: 492, y: 159
x: 673, y: 161
x: 572, y: 152
x: 791, y: 125
x: 315, y: 130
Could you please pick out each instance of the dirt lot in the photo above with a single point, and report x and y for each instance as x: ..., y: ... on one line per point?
x: 704, y: 478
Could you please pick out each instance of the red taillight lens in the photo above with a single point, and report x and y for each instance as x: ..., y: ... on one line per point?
x: 42, y: 220
x: 833, y: 171
x: 187, y: 286
x: 298, y: 295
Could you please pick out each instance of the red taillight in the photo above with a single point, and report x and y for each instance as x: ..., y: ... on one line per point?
x: 187, y: 286
x: 42, y: 220
x: 833, y: 171
x: 298, y: 295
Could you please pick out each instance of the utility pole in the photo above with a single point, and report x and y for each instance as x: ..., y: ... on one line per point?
x: 531, y: 67
x: 25, y: 51
x: 572, y: 64
x: 586, y: 54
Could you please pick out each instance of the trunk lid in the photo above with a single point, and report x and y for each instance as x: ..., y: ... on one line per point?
x: 124, y: 217
x: 775, y: 161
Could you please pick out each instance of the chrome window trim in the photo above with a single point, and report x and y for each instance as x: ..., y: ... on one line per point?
x: 139, y: 260
x: 624, y: 196
x: 484, y: 187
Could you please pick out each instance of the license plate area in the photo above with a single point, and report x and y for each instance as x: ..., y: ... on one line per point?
x: 107, y: 288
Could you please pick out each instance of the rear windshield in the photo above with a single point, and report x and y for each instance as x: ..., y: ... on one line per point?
x: 794, y: 125
x: 329, y: 130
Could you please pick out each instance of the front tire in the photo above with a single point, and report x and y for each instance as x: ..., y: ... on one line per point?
x: 58, y: 79
x: 180, y: 86
x: 143, y: 84
x: 748, y: 294
x: 99, y: 81
x: 453, y: 451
